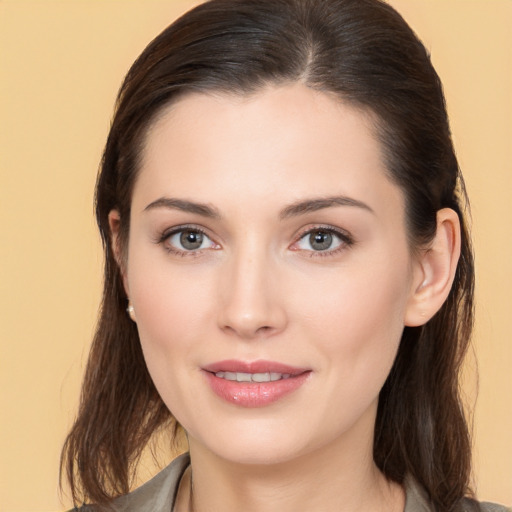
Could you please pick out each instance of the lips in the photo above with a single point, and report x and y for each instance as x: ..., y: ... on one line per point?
x: 252, y: 377
x: 254, y: 384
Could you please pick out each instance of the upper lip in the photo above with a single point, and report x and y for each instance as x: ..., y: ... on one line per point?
x: 260, y: 366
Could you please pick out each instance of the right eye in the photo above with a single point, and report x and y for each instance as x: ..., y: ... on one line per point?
x: 188, y: 240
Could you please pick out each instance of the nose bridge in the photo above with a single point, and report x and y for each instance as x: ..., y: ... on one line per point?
x: 251, y: 305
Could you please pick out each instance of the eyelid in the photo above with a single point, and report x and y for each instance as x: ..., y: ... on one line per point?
x: 166, y: 234
x: 345, y: 237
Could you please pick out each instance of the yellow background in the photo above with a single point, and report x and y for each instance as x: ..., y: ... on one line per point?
x: 61, y: 63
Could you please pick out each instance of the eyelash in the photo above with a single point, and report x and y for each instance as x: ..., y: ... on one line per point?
x: 346, y: 240
x: 167, y: 234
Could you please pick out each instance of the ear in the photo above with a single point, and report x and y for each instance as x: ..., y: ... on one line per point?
x: 435, y: 270
x: 114, y: 221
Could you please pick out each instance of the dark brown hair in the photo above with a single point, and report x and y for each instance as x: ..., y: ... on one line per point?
x: 364, y: 53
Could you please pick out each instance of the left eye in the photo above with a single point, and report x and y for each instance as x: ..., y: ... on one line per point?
x: 320, y: 240
x: 189, y: 240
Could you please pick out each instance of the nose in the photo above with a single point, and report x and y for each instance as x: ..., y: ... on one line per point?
x: 251, y: 299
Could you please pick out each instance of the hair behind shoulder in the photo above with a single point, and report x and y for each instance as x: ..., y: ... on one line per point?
x: 363, y: 52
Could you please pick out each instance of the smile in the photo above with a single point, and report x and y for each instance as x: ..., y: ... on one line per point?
x: 256, y: 383
x: 252, y: 377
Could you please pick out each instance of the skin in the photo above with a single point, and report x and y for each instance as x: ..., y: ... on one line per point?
x: 257, y: 289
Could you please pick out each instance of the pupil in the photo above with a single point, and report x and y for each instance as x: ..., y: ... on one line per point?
x: 320, y: 241
x: 191, y: 239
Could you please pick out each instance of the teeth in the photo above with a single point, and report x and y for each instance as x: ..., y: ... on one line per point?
x: 252, y: 377
x: 262, y: 377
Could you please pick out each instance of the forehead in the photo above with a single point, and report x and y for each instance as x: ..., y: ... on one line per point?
x: 291, y: 111
x: 288, y: 139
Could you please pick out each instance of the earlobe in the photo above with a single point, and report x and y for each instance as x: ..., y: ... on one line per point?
x: 435, y: 270
x: 131, y: 311
x: 114, y: 221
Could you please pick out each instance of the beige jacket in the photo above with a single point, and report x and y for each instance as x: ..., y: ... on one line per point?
x: 159, y: 495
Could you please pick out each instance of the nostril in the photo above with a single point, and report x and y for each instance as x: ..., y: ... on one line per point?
x: 248, y: 310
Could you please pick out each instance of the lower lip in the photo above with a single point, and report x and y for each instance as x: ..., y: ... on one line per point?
x: 255, y: 394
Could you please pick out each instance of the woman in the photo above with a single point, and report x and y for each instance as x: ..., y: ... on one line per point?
x: 288, y: 270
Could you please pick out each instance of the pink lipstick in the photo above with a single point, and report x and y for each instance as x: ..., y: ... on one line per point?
x: 254, y: 384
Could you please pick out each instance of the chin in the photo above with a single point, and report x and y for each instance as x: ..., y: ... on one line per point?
x: 258, y: 455
x: 265, y: 445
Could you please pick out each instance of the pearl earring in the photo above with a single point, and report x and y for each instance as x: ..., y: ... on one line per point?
x: 131, y: 311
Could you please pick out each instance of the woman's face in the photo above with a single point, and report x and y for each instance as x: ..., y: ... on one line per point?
x: 269, y: 270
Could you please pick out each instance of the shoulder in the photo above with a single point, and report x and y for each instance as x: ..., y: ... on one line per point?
x: 469, y: 505
x: 156, y: 495
x: 417, y: 501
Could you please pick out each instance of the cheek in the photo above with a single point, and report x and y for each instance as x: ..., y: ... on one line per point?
x: 170, y: 312
x: 357, y: 317
x: 171, y: 301
x: 360, y: 299
x: 171, y: 309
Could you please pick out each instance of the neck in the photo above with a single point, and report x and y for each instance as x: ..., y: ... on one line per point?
x: 340, y: 476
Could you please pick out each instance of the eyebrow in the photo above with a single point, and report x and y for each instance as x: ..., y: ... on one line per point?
x: 313, y: 205
x: 202, y: 209
x: 299, y: 208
